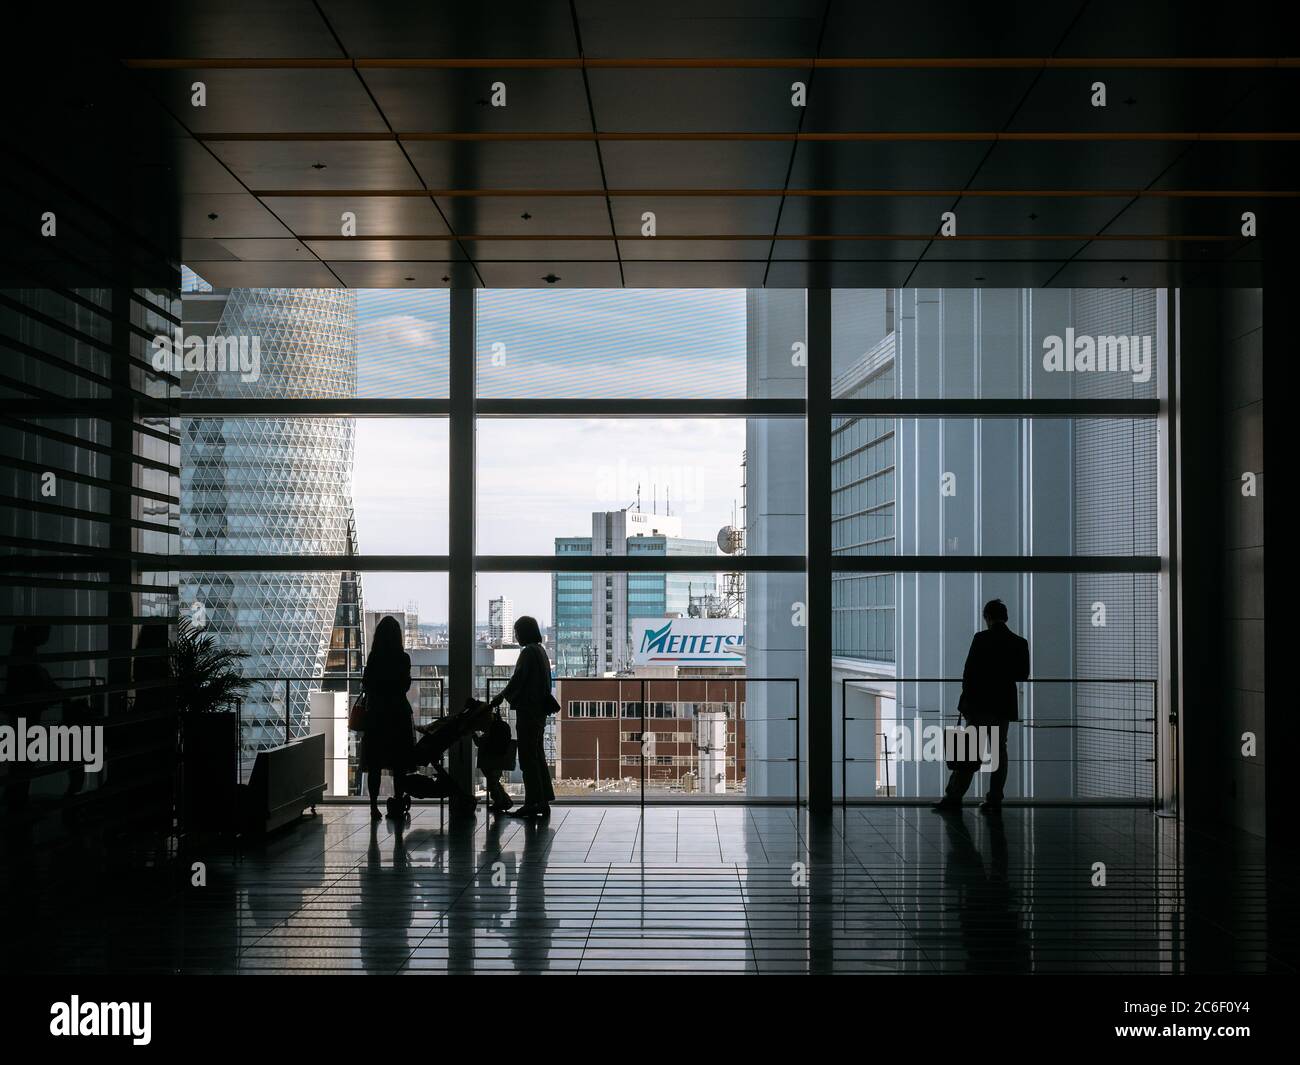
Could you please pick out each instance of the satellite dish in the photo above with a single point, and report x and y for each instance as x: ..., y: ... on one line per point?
x: 729, y: 539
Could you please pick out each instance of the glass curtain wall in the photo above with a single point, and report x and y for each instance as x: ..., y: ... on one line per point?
x: 638, y: 483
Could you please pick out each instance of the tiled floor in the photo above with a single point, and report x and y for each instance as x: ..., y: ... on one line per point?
x: 691, y: 889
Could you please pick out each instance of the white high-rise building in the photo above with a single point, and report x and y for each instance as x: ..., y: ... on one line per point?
x: 501, y: 621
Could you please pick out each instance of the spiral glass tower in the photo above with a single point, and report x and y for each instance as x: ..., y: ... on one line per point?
x: 269, y: 485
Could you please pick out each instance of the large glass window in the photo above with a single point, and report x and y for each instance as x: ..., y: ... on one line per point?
x: 633, y: 343
x: 670, y: 696
x: 983, y: 443
x: 614, y: 486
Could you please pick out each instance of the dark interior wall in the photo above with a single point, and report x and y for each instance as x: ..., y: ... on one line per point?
x: 1242, y: 556
x: 88, y: 454
x: 1221, y: 386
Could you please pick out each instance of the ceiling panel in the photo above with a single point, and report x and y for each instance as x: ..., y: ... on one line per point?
x: 231, y: 29
x: 974, y: 251
x: 1136, y: 100
x: 318, y: 165
x: 1012, y: 273
x: 397, y: 274
x: 220, y: 217
x: 1161, y: 28
x: 379, y: 250
x: 1031, y: 215
x: 545, y: 215
x: 1076, y: 164
x: 376, y: 216
x: 669, y: 250
x: 919, y: 165
x: 566, y: 275
x: 265, y: 250
x: 893, y: 250
x: 694, y: 101
x: 1241, y: 165
x: 264, y: 275
x: 838, y: 274
x: 419, y: 29
x: 193, y: 250
x: 696, y: 33
x: 459, y: 101
x: 863, y: 215
x: 268, y: 101
x: 1187, y: 217
x: 1271, y: 104
x: 506, y: 164
x: 197, y: 170
x: 1150, y: 250
x: 1082, y: 273
x: 690, y: 216
x: 913, y: 100
x: 692, y: 165
x: 549, y: 251
x: 933, y: 28
x: 721, y: 274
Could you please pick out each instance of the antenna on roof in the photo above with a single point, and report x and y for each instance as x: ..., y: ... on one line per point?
x: 668, y: 509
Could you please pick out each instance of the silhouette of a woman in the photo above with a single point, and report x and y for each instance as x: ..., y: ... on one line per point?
x: 527, y: 693
x: 388, y: 740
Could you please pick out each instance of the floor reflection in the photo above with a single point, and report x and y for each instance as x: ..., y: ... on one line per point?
x: 989, y: 911
x: 725, y: 889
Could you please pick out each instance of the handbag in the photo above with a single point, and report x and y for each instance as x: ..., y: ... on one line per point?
x: 357, y: 715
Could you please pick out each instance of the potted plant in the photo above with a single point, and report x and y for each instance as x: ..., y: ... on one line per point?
x: 209, y: 686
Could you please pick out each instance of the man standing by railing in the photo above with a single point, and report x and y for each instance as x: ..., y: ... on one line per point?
x: 997, y: 660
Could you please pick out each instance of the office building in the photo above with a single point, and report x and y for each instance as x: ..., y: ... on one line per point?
x: 501, y: 621
x: 688, y: 738
x: 594, y: 612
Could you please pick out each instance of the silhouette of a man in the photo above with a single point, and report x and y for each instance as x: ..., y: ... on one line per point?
x: 997, y: 659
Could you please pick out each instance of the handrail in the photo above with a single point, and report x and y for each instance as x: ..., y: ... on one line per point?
x: 734, y: 678
x: 349, y: 676
x: 1153, y: 716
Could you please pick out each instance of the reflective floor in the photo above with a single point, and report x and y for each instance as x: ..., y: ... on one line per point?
x: 683, y: 889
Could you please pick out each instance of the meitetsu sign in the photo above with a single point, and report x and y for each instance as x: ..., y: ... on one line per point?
x: 688, y: 641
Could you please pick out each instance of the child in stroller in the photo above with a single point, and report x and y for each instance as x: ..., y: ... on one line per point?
x: 479, y: 721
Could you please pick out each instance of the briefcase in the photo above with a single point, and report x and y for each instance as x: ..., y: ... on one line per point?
x: 961, y: 749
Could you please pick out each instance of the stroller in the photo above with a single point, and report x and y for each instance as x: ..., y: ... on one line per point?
x: 436, y: 739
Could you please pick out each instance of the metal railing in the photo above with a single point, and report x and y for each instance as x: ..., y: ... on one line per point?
x: 1126, y: 714
x: 352, y: 689
x: 646, y: 695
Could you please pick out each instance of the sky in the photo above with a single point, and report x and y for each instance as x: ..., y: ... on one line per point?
x: 542, y: 478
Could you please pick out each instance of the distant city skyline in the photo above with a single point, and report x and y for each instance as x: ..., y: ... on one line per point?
x: 559, y: 343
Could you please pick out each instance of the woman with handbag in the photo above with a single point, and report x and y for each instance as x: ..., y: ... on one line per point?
x: 388, y: 737
x: 529, y: 694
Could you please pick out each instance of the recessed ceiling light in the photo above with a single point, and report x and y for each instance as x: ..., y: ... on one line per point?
x: 318, y: 166
x: 525, y: 216
x: 979, y: 279
x: 409, y: 279
x: 213, y: 216
x: 550, y: 279
x: 445, y: 278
